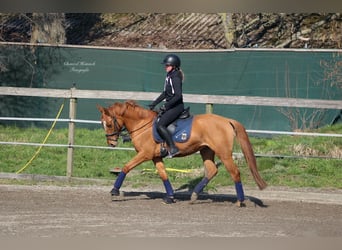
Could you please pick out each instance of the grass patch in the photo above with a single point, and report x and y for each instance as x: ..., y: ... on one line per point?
x: 96, y: 163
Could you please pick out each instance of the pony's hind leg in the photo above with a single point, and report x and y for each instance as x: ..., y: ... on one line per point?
x: 235, y: 174
x: 210, y: 171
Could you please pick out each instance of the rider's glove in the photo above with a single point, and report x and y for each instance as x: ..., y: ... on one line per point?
x: 151, y: 106
x: 162, y: 109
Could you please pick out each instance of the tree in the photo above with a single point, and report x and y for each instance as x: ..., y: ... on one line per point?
x: 32, y: 66
x: 48, y: 28
x: 229, y: 28
x: 333, y: 70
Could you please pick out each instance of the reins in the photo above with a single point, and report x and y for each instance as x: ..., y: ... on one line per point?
x: 118, y: 130
x: 135, y: 130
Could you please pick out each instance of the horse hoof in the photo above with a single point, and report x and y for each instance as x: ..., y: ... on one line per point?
x: 241, y: 204
x: 194, y: 198
x: 116, y: 195
x: 115, y: 192
x: 168, y: 200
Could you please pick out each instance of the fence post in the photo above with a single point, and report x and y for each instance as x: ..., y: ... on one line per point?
x: 209, y: 108
x: 71, y: 136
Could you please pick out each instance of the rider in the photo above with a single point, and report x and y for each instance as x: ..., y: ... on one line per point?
x: 172, y: 94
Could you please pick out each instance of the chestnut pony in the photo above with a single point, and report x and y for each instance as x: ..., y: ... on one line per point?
x: 210, y: 135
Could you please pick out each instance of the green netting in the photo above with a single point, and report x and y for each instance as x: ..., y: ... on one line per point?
x: 295, y: 74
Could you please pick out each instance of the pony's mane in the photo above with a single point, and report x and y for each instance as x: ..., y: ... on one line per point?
x: 121, y: 108
x: 142, y: 112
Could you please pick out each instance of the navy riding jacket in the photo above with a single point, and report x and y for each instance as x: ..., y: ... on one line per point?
x: 172, y: 93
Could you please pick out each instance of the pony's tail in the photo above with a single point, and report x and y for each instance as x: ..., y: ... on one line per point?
x: 248, y: 152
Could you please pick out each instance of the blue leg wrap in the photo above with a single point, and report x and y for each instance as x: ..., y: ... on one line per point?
x: 119, y: 180
x: 200, y: 186
x: 168, y: 188
x: 239, y: 191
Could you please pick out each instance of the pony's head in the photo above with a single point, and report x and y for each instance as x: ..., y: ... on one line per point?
x: 111, y: 124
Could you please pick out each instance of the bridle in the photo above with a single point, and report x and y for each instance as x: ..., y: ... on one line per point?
x: 117, y: 131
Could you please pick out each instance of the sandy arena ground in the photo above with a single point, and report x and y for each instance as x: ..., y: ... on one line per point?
x: 64, y: 211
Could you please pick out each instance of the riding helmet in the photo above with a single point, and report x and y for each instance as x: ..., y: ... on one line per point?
x: 172, y: 60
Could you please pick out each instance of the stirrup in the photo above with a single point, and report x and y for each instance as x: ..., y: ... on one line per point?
x: 163, y: 152
x: 172, y: 154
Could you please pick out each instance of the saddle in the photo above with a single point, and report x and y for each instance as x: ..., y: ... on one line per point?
x: 180, y: 129
x: 185, y: 114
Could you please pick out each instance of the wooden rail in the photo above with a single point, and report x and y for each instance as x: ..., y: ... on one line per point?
x: 190, y: 98
x: 73, y: 94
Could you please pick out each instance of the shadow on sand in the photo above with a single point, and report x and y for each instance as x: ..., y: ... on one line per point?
x: 185, y: 196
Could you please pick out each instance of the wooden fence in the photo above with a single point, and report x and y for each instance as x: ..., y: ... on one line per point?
x: 209, y: 100
x: 74, y: 93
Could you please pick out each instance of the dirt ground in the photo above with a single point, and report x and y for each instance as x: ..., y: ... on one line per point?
x: 64, y: 211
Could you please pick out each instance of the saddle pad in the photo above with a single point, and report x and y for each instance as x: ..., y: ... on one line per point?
x: 181, y: 133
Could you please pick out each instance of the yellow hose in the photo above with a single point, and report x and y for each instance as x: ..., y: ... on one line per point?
x: 44, y: 141
x: 170, y: 169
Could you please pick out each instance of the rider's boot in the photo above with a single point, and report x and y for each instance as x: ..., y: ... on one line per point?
x: 164, y: 133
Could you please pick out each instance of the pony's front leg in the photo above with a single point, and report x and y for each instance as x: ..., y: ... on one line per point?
x: 169, y: 198
x: 138, y: 159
